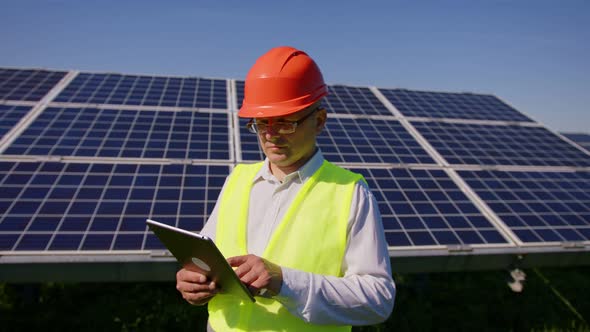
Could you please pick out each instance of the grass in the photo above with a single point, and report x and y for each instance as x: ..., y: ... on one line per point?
x: 552, y: 300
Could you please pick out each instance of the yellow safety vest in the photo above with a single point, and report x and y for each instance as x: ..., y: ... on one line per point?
x: 311, y: 237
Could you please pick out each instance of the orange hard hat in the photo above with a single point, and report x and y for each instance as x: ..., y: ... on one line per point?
x: 282, y: 81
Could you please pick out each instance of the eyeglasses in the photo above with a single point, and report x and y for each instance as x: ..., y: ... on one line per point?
x: 279, y: 127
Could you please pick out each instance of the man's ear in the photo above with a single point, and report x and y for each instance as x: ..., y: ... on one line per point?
x: 321, y: 118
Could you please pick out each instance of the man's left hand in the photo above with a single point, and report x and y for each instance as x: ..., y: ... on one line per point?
x: 260, y: 275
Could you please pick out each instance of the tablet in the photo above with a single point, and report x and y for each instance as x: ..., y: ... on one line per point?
x: 199, y: 253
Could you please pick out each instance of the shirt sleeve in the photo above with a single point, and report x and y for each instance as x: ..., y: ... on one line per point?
x: 365, y: 294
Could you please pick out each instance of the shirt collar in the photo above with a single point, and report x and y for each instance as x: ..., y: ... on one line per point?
x: 302, y: 174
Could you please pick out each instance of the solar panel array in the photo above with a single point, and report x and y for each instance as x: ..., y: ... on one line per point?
x: 81, y: 171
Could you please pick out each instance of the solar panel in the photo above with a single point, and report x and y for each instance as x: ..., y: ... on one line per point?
x: 539, y: 207
x: 116, y: 89
x: 581, y: 139
x: 353, y: 100
x: 424, y: 207
x: 354, y: 141
x: 80, y: 206
x: 484, y: 144
x: 10, y: 116
x: 452, y: 105
x: 92, y: 132
x: 27, y: 84
x: 370, y: 141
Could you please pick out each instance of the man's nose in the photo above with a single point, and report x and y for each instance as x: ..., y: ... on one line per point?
x: 271, y: 131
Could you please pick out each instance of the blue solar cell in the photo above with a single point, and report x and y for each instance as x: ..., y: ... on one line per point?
x: 14, y: 224
x: 418, y: 210
x: 135, y: 224
x: 479, y: 144
x: 24, y: 207
x: 27, y: 84
x: 447, y: 237
x: 97, y: 242
x: 44, y: 224
x: 471, y: 237
x: 160, y: 208
x: 66, y: 242
x: 33, y: 242
x: 104, y: 224
x: 128, y: 241
x: 397, y: 239
x: 421, y: 238
x: 543, y: 206
x: 119, y: 194
x: 452, y: 105
x: 7, y: 240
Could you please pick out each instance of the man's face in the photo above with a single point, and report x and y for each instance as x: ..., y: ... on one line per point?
x: 292, y: 150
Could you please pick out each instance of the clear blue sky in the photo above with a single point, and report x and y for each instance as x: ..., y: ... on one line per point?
x: 533, y: 54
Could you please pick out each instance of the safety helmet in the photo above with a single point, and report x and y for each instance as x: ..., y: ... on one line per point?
x: 282, y: 81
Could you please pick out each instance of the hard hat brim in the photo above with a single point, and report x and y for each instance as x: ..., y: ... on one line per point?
x: 279, y: 109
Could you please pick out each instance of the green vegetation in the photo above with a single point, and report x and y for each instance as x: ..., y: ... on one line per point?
x: 552, y: 300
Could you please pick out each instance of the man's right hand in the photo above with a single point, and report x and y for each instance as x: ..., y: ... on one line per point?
x: 194, y: 287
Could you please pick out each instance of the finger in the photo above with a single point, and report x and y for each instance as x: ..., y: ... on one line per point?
x: 190, y: 287
x: 242, y: 270
x: 244, y: 264
x: 259, y: 284
x: 250, y: 277
x: 190, y: 276
x: 237, y: 260
x: 198, y: 298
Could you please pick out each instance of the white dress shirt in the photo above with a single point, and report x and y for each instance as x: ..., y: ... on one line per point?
x: 365, y: 293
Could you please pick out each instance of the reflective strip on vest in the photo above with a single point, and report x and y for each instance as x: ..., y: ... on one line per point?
x: 311, y: 237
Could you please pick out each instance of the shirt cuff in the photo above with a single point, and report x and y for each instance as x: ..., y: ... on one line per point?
x: 294, y: 290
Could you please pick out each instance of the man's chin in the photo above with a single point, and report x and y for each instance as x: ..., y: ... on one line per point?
x: 279, y: 159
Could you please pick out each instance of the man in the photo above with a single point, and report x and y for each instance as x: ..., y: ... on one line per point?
x: 304, y: 235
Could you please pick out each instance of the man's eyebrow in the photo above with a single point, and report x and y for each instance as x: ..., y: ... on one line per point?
x: 276, y: 120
